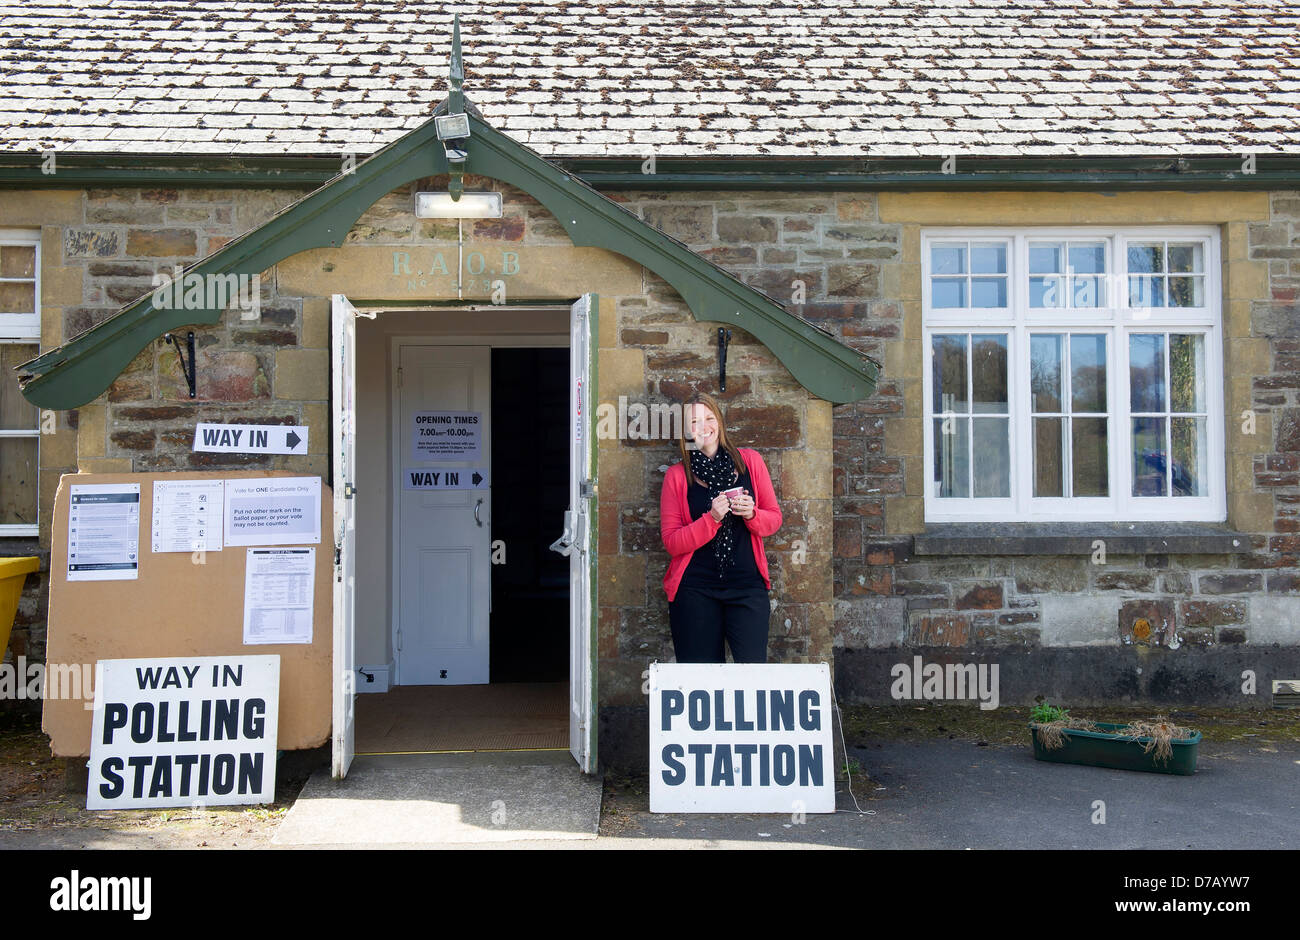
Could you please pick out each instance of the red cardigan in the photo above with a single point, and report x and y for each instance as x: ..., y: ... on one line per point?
x: 682, y: 536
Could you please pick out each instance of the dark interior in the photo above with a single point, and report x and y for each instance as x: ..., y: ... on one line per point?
x: 530, y: 492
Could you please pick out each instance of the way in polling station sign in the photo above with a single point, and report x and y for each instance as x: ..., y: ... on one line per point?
x: 194, y: 731
x: 741, y: 738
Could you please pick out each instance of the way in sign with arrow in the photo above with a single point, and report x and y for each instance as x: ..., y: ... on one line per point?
x: 460, y: 478
x: 250, y: 438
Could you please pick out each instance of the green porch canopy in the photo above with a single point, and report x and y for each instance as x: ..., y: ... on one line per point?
x: 80, y: 370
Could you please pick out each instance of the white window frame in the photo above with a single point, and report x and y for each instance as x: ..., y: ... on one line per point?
x: 24, y: 329
x: 1116, y: 320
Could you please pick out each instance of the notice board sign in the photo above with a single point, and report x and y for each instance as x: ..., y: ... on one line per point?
x: 741, y: 738
x: 191, y: 731
x: 447, y: 435
x: 273, y: 511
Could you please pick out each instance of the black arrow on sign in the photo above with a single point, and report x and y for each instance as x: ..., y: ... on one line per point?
x: 292, y: 440
x: 477, y: 478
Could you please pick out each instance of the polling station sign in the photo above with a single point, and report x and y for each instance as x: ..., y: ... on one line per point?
x: 741, y: 738
x: 198, y: 730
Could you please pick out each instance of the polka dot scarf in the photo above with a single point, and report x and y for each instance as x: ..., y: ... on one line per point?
x: 718, y: 473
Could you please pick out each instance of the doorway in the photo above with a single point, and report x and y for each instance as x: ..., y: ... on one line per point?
x: 477, y: 644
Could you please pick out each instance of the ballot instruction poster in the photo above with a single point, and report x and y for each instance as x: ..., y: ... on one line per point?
x: 187, y: 515
x: 273, y: 511
x: 279, y: 585
x: 104, y: 532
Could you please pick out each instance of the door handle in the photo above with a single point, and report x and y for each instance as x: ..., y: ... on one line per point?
x: 476, y: 518
x: 564, y: 544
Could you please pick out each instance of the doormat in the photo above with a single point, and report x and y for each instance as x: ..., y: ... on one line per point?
x: 435, y: 799
x: 510, y: 716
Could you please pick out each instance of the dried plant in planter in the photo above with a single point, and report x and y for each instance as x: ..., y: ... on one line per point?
x: 1162, y: 733
x: 1049, y: 721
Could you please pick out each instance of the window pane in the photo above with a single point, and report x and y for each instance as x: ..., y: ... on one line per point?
x: 1146, y: 371
x: 1046, y: 292
x: 1049, y: 457
x: 1088, y: 257
x: 992, y: 457
x: 1091, y: 470
x: 1045, y: 257
x: 1045, y: 371
x: 1145, y: 257
x: 951, y: 457
x: 988, y: 258
x: 1186, y: 258
x: 988, y: 292
x: 949, y: 355
x: 17, y: 481
x: 1187, y: 372
x: 1149, y: 457
x: 16, y: 412
x: 989, y: 373
x: 1186, y: 292
x: 1146, y: 292
x: 1188, y: 446
x: 1088, y: 372
x: 18, y: 261
x: 1087, y: 292
x: 948, y: 258
x: 17, y: 297
x: 947, y: 292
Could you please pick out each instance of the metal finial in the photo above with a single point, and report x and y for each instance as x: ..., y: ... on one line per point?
x: 456, y: 103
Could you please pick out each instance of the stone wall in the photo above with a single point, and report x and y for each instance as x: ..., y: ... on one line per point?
x: 850, y: 479
x: 111, y: 242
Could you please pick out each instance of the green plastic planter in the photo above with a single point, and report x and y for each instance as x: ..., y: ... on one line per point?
x: 1105, y: 748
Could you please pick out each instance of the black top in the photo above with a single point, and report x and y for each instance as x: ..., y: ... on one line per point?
x: 703, y: 568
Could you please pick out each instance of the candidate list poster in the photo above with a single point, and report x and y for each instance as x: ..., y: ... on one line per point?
x: 279, y: 588
x: 273, y: 511
x: 104, y: 532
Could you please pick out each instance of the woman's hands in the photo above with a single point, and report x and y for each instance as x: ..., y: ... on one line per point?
x: 743, y: 506
x: 721, y: 506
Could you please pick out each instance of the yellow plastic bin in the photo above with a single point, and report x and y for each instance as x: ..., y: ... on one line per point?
x: 13, y: 572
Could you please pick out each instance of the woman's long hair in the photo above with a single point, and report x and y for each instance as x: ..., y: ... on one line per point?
x: 701, y: 398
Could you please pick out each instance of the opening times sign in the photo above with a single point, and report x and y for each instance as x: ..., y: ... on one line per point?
x: 196, y: 731
x: 741, y: 738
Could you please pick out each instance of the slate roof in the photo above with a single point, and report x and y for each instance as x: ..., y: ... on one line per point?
x: 828, y: 78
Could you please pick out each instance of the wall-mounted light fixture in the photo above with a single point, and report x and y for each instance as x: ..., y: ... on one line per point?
x: 468, y: 206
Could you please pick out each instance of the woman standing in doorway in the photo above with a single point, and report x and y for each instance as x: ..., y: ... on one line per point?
x: 715, y: 508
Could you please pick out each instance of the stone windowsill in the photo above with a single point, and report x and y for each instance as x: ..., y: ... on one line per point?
x: 1077, y: 538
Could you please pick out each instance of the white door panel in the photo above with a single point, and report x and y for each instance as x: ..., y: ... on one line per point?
x: 444, y: 584
x: 343, y: 349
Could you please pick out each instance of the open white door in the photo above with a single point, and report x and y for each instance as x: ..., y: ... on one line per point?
x: 343, y: 366
x: 579, y: 539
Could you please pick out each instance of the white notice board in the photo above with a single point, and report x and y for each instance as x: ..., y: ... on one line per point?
x: 104, y: 532
x: 741, y: 738
x: 273, y: 511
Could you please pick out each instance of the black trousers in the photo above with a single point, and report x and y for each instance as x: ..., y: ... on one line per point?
x: 702, y: 618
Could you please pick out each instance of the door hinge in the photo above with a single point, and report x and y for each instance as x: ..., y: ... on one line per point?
x: 349, y: 491
x: 587, y: 488
x: 399, y: 376
x: 338, y: 563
